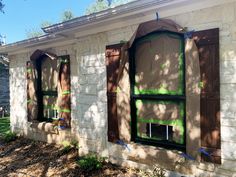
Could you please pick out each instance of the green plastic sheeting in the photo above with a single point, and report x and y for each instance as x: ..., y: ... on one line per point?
x: 66, y: 92
x: 56, y: 108
x: 179, y: 122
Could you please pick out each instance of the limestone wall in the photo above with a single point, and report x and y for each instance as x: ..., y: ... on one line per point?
x: 89, y: 101
x: 94, y: 137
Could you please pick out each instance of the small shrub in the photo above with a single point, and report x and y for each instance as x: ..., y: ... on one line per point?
x: 66, y: 147
x: 90, y: 162
x: 74, y: 144
x: 158, y: 171
x: 9, y: 136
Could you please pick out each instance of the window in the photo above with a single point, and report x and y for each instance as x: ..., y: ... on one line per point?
x: 158, y: 90
x: 48, y: 89
x: 49, y: 79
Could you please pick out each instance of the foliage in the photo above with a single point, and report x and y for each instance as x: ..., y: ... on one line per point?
x: 1, y: 6
x: 100, y: 5
x: 9, y: 136
x: 34, y: 32
x: 96, y: 7
x: 156, y: 172
x: 74, y: 144
x: 91, y: 162
x: 68, y: 146
x: 4, y: 126
x: 46, y: 24
x: 67, y: 15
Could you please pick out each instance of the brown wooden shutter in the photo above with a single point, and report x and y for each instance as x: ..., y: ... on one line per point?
x: 64, y: 100
x: 113, y: 55
x: 208, y: 45
x: 32, y: 106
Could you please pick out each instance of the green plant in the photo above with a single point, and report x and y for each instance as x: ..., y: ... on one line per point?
x: 158, y: 171
x: 9, y: 136
x: 66, y: 147
x: 74, y: 144
x: 91, y: 162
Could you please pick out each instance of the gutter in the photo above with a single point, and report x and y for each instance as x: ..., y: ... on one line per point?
x: 104, y: 15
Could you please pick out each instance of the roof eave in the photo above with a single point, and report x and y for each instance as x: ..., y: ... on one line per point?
x: 106, y: 14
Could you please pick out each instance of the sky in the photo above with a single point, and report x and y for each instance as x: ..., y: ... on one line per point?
x: 23, y: 15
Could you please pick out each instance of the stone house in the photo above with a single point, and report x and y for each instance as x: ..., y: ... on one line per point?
x: 135, y: 87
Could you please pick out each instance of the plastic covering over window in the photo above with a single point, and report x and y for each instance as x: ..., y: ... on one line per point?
x: 159, y: 88
x: 160, y: 120
x: 159, y: 65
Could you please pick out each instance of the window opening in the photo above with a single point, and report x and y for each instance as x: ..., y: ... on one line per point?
x: 158, y: 90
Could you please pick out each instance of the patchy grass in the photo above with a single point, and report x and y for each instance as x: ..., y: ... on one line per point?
x: 4, y: 126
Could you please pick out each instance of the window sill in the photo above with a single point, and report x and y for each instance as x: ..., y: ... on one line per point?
x: 161, y: 144
x: 47, y: 127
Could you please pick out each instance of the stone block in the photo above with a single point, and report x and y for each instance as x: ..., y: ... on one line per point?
x: 87, y: 99
x: 227, y: 52
x: 90, y: 89
x: 227, y: 91
x: 102, y: 96
x: 206, y: 15
x: 93, y: 78
x: 228, y: 134
x: 228, y: 150
x: 82, y: 79
x: 229, y: 165
x: 88, y: 145
x: 92, y: 62
x: 228, y: 122
x: 228, y: 108
x: 228, y: 12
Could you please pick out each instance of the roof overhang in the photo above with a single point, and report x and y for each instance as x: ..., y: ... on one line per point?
x: 129, y: 14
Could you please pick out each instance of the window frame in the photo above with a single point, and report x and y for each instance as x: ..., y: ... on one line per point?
x: 157, y: 97
x: 41, y: 93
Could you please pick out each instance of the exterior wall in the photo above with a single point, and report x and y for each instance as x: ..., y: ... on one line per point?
x: 89, y: 101
x: 18, y: 99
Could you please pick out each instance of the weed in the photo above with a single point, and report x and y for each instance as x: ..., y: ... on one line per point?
x: 68, y: 146
x: 91, y: 162
x: 156, y: 172
x: 9, y: 136
x: 74, y: 144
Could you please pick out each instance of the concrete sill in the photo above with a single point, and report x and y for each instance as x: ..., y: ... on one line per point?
x: 44, y: 127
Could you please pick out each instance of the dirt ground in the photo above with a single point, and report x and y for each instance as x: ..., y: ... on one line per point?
x: 28, y: 158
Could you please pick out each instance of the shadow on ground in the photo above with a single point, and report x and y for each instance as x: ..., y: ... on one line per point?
x: 32, y: 158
